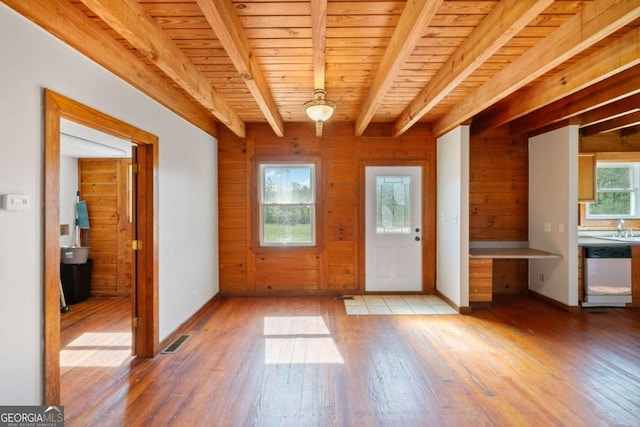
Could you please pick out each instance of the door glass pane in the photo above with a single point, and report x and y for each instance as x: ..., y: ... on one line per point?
x: 393, y: 204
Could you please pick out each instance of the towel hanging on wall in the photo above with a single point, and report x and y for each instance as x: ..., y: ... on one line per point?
x: 83, y: 214
x: 82, y: 221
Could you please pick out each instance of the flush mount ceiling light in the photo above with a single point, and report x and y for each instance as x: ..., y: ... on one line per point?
x: 319, y: 109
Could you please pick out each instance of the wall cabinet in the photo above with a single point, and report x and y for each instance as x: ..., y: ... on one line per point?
x: 586, y: 177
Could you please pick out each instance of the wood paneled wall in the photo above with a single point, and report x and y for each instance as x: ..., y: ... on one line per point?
x: 104, y: 184
x: 499, y: 193
x: 335, y: 266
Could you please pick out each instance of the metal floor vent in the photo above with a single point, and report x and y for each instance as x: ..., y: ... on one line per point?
x: 344, y: 297
x: 175, y: 345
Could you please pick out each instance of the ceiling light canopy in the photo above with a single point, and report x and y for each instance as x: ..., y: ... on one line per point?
x: 319, y: 109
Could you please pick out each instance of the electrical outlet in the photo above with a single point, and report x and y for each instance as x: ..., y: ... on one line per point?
x: 541, y: 277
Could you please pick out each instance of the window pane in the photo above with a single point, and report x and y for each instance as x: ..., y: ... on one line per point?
x: 287, y: 204
x: 617, y: 203
x: 613, y: 178
x: 393, y: 204
x: 287, y: 184
x: 287, y: 224
x: 616, y: 191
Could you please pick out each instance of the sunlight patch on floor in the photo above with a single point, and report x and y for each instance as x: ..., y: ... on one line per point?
x: 301, y: 350
x: 298, y: 340
x: 295, y: 325
x: 97, y: 350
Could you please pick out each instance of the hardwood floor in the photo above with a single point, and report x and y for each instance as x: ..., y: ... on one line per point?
x: 304, y: 362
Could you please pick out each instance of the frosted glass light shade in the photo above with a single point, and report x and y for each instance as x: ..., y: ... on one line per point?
x: 319, y: 109
x: 319, y: 112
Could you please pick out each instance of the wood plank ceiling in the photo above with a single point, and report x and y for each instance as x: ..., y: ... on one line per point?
x: 395, y: 62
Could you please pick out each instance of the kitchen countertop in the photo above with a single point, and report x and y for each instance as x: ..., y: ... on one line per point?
x: 511, y: 253
x: 595, y: 241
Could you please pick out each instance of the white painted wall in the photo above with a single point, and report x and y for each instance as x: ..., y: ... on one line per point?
x: 553, y: 201
x: 188, y: 270
x: 68, y: 189
x: 452, y: 262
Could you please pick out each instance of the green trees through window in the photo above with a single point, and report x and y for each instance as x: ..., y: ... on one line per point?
x: 287, y: 204
x: 616, y: 191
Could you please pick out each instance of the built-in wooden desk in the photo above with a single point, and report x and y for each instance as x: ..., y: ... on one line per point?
x: 481, y: 267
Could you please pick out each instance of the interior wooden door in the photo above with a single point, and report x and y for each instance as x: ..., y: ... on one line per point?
x: 105, y: 184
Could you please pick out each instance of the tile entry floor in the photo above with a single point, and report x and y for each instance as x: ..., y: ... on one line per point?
x: 362, y: 305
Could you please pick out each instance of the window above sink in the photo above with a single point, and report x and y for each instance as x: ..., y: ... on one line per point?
x: 617, y: 191
x: 620, y: 183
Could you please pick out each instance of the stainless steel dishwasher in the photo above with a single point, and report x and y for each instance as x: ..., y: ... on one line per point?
x: 607, y: 276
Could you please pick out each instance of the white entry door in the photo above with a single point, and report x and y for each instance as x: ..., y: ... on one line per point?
x: 393, y: 222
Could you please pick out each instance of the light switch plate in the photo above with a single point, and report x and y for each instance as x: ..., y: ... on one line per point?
x: 16, y: 202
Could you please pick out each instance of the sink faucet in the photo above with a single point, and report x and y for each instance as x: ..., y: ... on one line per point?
x: 620, y: 224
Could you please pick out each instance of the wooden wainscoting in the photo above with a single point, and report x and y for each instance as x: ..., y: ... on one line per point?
x: 105, y: 185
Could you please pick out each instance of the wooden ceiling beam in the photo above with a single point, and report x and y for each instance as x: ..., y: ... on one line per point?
x: 621, y: 122
x: 319, y: 43
x: 596, y: 21
x: 617, y: 56
x: 224, y: 21
x: 69, y: 24
x: 617, y: 87
x: 416, y: 17
x: 632, y: 130
x: 131, y: 21
x: 624, y: 106
x: 504, y: 21
x: 610, y: 142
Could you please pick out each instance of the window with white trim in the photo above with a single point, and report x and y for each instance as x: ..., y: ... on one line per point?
x: 617, y: 191
x: 287, y: 204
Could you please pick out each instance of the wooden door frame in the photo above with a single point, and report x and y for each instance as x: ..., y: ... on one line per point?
x: 428, y: 223
x: 145, y: 287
